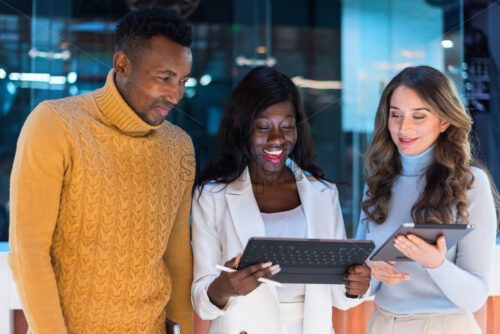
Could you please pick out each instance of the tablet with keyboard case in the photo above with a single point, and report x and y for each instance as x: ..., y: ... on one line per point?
x: 429, y: 232
x: 312, y: 261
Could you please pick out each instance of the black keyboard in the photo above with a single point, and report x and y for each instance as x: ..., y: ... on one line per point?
x: 307, y: 260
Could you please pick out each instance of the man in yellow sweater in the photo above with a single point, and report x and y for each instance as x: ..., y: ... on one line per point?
x: 101, y: 193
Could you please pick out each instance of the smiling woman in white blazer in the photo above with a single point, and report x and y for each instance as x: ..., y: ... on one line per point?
x: 249, y: 180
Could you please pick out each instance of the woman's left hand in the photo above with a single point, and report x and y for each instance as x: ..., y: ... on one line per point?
x: 419, y: 250
x: 357, y: 280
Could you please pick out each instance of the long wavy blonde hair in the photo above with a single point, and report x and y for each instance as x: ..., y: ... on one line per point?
x: 448, y: 176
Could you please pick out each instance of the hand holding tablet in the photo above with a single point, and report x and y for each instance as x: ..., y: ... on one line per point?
x: 312, y: 261
x: 429, y: 233
x: 260, y: 279
x: 233, y: 282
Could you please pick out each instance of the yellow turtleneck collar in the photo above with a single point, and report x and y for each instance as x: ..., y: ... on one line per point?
x: 117, y: 112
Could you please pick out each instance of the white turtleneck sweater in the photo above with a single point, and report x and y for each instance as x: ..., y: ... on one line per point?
x: 462, y: 281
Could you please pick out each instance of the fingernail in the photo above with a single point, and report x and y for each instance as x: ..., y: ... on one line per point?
x: 267, y: 264
x: 275, y: 267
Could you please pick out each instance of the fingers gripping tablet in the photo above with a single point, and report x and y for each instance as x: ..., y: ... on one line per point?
x: 453, y: 233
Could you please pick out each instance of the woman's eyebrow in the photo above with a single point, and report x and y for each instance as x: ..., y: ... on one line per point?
x: 414, y: 109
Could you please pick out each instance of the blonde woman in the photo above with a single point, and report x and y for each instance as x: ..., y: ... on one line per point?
x: 422, y: 171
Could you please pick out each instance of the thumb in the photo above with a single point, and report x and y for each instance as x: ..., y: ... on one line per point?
x: 441, y: 244
x: 233, y: 262
x: 238, y: 258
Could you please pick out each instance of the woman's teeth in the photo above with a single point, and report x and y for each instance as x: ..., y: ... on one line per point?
x: 274, y: 152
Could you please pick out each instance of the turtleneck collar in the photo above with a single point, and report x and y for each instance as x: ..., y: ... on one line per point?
x: 117, y: 112
x: 416, y: 164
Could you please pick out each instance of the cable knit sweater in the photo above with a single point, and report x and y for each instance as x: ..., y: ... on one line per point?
x: 462, y: 281
x: 100, y: 206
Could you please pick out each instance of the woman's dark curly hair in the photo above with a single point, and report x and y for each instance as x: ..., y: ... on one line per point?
x: 137, y: 27
x: 261, y: 88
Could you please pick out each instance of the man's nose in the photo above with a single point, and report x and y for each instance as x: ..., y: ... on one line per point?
x: 174, y: 93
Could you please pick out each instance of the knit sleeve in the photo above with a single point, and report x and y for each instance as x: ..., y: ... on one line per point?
x: 179, y: 256
x: 361, y: 234
x: 36, y: 182
x: 465, y: 281
x: 339, y: 297
x: 362, y: 225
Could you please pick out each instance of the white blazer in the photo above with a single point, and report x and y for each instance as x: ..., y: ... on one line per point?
x: 223, y: 219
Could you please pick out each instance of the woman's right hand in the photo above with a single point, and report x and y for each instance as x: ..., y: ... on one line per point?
x: 240, y: 282
x: 385, y: 272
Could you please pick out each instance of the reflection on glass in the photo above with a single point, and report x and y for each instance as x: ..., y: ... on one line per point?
x: 339, y: 53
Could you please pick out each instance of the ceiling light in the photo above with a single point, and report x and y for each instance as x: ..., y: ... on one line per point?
x: 446, y: 43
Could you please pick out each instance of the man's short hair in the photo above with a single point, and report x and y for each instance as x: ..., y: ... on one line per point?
x: 138, y: 27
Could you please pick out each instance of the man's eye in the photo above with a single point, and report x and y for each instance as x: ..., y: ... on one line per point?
x: 184, y: 81
x: 164, y: 79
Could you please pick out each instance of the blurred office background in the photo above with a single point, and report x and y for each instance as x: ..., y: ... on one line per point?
x: 340, y: 53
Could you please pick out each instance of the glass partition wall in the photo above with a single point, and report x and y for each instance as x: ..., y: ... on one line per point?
x: 339, y: 53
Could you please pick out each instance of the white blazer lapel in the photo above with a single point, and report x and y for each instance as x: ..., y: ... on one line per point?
x: 244, y: 210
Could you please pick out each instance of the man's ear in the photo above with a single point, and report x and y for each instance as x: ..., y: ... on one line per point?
x: 121, y: 63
